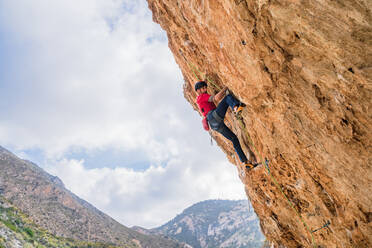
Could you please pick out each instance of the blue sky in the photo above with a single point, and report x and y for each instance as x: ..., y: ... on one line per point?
x: 90, y: 92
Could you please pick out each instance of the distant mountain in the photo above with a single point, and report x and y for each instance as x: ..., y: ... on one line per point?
x: 214, y: 223
x: 49, y: 204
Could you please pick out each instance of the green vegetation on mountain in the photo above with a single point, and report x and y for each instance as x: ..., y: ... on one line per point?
x: 51, y: 206
x: 17, y: 230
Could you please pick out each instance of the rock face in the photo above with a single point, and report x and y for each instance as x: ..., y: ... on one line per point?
x: 50, y: 205
x: 304, y: 70
x: 214, y: 223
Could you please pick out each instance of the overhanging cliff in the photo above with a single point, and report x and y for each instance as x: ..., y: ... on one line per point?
x: 304, y: 69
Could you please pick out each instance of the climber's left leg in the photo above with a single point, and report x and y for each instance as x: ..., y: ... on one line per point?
x: 228, y: 134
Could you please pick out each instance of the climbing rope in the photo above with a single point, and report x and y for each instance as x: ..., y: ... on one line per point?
x: 193, y: 68
x: 209, y: 80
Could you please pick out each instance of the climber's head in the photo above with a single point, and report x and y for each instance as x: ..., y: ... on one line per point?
x: 199, y: 86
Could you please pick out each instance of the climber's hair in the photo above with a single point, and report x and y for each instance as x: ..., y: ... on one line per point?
x: 200, y: 84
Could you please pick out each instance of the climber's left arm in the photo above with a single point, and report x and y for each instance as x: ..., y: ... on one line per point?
x: 218, y: 97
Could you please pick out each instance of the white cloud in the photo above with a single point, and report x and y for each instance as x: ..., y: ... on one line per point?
x: 152, y: 197
x: 92, y: 85
x: 97, y: 75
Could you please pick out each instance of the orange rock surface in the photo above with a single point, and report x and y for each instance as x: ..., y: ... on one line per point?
x: 304, y: 70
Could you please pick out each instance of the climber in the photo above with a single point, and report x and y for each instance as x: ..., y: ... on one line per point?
x: 215, y: 116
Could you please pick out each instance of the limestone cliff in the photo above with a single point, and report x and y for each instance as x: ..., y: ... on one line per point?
x: 304, y: 70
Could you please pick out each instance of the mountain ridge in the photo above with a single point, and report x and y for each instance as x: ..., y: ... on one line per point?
x: 18, y: 231
x: 214, y: 223
x: 49, y: 204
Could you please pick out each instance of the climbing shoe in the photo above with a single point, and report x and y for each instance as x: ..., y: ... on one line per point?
x: 250, y: 165
x: 238, y: 109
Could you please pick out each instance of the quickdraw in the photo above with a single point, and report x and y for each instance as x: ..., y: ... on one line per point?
x: 324, y: 226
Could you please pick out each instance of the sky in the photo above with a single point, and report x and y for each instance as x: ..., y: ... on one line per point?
x: 90, y: 91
